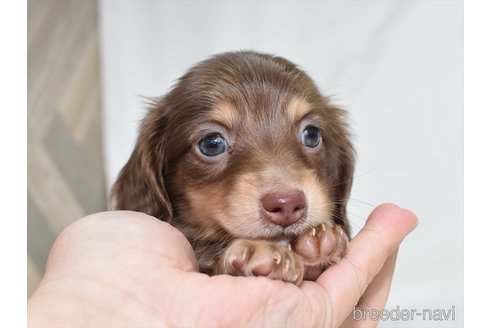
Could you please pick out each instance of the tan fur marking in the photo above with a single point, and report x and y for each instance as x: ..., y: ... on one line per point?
x: 225, y: 114
x: 297, y: 109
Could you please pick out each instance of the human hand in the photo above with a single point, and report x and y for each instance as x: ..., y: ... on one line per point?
x: 130, y: 269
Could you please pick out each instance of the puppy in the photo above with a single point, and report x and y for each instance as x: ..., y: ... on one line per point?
x: 251, y: 163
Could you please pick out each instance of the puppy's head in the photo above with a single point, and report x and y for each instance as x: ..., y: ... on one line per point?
x: 243, y: 146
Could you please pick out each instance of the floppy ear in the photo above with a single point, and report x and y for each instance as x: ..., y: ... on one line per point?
x: 342, y: 158
x: 140, y: 185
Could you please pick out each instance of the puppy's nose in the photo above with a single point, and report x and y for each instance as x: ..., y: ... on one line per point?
x: 284, y: 208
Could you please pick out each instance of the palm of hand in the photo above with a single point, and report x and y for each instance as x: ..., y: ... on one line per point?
x: 126, y: 268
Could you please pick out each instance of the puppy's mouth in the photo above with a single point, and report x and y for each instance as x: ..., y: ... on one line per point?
x: 285, y: 235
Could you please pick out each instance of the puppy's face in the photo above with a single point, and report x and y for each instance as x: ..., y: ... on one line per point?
x: 260, y: 154
x: 257, y: 171
x: 244, y: 146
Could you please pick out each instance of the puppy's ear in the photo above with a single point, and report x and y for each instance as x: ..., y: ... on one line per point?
x: 140, y: 185
x: 342, y: 165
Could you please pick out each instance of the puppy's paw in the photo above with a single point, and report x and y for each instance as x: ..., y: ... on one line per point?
x: 263, y: 258
x: 320, y: 247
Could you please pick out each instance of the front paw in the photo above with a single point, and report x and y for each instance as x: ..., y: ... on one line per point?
x: 262, y: 258
x: 320, y: 247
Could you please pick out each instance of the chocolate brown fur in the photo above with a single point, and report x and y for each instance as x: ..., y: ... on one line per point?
x: 259, y: 103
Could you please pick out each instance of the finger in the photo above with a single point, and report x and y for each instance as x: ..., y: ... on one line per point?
x: 347, y: 281
x: 375, y: 297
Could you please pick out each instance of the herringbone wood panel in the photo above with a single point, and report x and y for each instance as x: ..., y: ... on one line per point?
x: 65, y: 163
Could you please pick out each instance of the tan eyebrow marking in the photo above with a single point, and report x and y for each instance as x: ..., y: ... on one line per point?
x: 225, y: 114
x: 297, y: 109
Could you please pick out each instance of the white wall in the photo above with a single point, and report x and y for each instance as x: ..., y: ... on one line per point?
x: 397, y: 66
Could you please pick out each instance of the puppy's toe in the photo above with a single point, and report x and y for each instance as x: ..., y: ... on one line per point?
x: 341, y: 244
x: 316, y: 244
x: 322, y: 245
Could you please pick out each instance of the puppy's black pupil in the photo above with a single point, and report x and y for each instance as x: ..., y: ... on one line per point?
x: 212, y: 145
x: 310, y: 136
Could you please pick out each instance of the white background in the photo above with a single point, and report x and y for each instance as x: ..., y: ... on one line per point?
x: 396, y: 66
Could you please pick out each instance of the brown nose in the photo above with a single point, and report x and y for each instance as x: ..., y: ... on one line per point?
x: 284, y: 208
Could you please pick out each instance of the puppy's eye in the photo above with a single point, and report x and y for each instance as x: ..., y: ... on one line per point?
x: 311, y: 136
x: 212, y: 145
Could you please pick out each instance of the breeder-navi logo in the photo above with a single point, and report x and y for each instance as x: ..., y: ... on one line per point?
x: 404, y: 314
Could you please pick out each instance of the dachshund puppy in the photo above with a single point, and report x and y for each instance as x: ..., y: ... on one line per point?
x: 251, y: 163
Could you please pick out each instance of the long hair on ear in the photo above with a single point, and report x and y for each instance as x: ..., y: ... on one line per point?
x: 140, y: 184
x: 342, y: 162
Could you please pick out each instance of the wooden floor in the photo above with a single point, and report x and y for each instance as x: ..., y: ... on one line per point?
x: 65, y: 166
